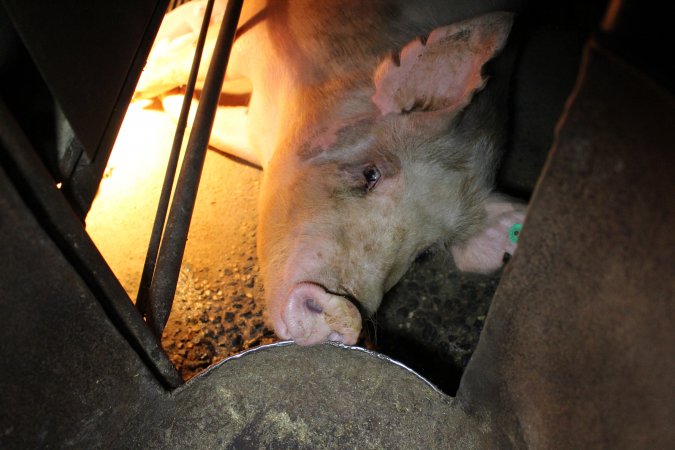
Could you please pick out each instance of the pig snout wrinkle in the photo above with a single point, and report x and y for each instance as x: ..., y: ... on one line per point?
x: 312, y: 315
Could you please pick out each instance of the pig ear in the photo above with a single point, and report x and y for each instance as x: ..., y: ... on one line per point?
x: 443, y: 71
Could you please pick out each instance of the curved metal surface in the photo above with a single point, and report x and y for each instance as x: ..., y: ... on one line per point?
x: 326, y: 396
x: 353, y: 348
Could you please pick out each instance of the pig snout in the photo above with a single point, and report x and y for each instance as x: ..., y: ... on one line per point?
x: 311, y: 316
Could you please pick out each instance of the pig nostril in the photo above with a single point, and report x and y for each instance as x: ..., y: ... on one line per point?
x: 313, y: 306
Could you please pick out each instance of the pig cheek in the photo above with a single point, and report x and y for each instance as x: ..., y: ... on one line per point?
x: 272, y: 251
x: 372, y: 259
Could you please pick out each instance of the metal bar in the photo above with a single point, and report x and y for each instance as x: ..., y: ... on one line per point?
x: 172, y: 249
x: 57, y: 217
x: 165, y: 195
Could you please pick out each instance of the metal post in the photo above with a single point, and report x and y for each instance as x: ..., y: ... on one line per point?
x: 165, y: 195
x: 172, y: 248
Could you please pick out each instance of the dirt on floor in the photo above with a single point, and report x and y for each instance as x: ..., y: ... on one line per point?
x: 430, y: 321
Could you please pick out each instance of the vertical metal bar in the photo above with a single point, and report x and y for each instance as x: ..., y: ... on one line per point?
x: 171, y: 251
x: 165, y: 195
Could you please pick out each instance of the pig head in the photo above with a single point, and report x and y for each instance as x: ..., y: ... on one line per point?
x: 378, y: 134
x: 375, y: 167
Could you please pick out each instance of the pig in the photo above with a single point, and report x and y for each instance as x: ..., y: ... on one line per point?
x: 379, y: 137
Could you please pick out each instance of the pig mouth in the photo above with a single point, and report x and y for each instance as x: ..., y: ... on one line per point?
x: 313, y: 314
x: 345, y: 294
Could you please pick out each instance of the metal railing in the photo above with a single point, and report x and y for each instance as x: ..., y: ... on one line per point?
x: 169, y: 234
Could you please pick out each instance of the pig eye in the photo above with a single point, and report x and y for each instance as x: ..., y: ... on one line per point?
x: 372, y: 176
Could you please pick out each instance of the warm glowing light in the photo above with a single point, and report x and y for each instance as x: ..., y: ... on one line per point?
x: 121, y: 216
x: 123, y: 211
x: 230, y: 127
x: 58, y: 185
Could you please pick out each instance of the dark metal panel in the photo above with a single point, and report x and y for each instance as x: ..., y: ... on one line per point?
x: 68, y: 377
x: 90, y: 55
x: 641, y: 33
x: 84, y: 51
x: 578, y: 343
x: 60, y: 222
x: 551, y: 37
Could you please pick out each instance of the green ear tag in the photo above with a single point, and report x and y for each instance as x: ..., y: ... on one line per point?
x: 514, y: 232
